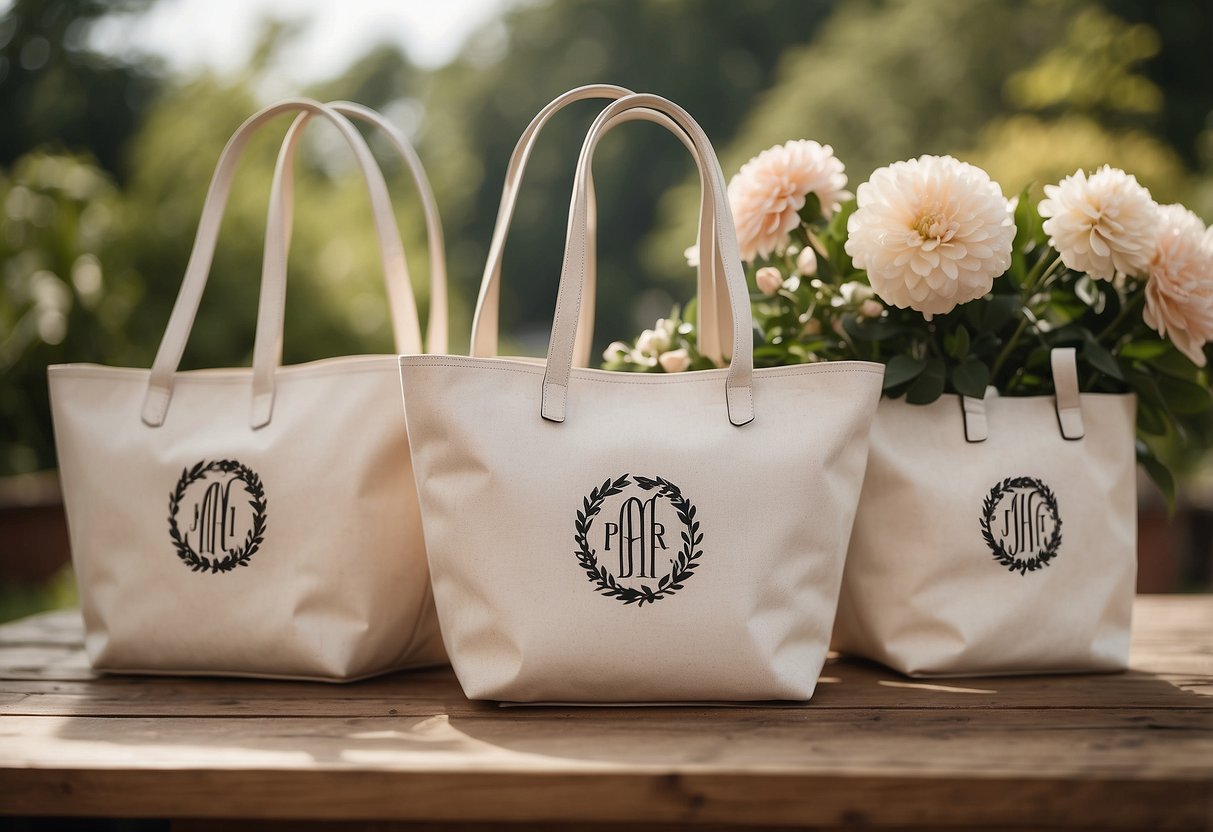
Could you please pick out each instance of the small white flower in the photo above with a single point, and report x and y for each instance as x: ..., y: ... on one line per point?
x: 871, y: 308
x: 675, y: 361
x: 653, y: 342
x: 692, y: 256
x: 806, y: 262
x: 768, y: 192
x: 932, y: 232
x: 769, y: 280
x: 615, y: 350
x: 1179, y: 291
x: 1102, y: 224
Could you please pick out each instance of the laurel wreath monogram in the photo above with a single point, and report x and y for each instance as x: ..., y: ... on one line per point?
x: 236, y: 556
x: 684, y: 564
x: 988, y: 507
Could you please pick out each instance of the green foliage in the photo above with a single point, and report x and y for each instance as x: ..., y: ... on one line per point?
x: 56, y: 93
x: 68, y: 291
x: 1003, y: 339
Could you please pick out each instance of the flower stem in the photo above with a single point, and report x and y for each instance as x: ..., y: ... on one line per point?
x: 1040, y: 273
x: 1125, y: 310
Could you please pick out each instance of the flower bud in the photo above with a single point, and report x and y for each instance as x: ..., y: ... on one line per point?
x: 769, y: 280
x: 675, y: 361
x: 871, y: 308
x: 806, y: 262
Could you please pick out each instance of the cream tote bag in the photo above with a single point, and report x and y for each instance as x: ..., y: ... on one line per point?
x: 610, y: 537
x: 996, y: 537
x: 257, y: 522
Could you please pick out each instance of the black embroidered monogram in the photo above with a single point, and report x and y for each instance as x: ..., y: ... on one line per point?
x: 636, y: 538
x: 1021, y: 524
x: 212, y: 540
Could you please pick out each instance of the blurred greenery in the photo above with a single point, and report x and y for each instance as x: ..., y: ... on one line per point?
x: 104, y: 160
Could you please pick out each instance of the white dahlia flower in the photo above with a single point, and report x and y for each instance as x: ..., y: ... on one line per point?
x: 1102, y: 224
x: 1179, y: 291
x: 932, y: 232
x: 770, y: 189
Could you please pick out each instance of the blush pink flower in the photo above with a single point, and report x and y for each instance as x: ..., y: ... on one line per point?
x: 768, y: 192
x: 1179, y: 289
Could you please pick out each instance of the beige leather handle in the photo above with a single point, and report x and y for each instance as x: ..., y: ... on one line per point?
x: 739, y: 396
x: 711, y: 292
x: 172, y: 345
x: 1064, y: 364
x: 267, y: 351
x: 485, y: 320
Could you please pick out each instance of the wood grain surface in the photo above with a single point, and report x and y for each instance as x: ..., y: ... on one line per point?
x: 409, y: 752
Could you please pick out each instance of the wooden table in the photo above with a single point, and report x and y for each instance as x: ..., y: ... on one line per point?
x: 1127, y: 751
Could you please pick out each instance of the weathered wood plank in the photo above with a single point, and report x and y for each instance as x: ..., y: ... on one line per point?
x: 846, y: 685
x: 1129, y: 744
x: 738, y: 799
x: 1121, y: 751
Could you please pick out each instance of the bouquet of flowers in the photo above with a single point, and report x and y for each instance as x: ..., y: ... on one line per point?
x: 931, y: 271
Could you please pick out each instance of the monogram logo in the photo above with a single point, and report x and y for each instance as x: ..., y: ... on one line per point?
x: 224, y: 517
x: 1021, y: 525
x: 637, y: 536
x: 643, y: 519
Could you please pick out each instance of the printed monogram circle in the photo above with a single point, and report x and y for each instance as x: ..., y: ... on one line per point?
x: 636, y: 533
x: 222, y: 531
x: 1020, y: 524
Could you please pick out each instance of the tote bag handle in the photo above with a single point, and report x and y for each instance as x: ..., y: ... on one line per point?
x: 739, y: 397
x: 1064, y: 363
x: 267, y: 349
x: 486, y: 320
x: 181, y: 320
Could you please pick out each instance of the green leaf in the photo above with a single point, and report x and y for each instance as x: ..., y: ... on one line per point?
x: 930, y: 384
x: 1144, y: 350
x: 866, y: 329
x: 811, y: 212
x: 993, y: 312
x: 1184, y: 397
x: 1175, y: 363
x: 1158, y: 472
x: 1150, y: 418
x: 971, y: 377
x: 902, y: 368
x: 958, y: 343
x: 1102, y: 360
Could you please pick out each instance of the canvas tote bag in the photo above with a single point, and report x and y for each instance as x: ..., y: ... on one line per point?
x: 257, y: 522
x: 597, y: 536
x: 996, y: 536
